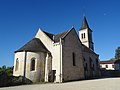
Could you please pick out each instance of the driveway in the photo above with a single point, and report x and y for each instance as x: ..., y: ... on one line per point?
x: 97, y: 84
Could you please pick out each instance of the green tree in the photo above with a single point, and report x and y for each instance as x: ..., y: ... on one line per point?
x: 7, y: 78
x: 6, y: 75
x: 117, y: 53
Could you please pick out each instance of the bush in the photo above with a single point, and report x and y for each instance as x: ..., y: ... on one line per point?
x: 7, y: 78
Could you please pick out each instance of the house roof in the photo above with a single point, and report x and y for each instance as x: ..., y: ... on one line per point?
x: 84, y: 24
x: 112, y: 61
x: 33, y: 45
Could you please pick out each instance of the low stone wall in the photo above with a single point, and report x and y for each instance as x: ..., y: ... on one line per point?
x: 110, y: 73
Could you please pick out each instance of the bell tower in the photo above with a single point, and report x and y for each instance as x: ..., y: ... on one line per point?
x: 85, y: 35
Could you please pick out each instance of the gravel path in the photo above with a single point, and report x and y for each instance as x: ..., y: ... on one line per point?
x: 98, y: 84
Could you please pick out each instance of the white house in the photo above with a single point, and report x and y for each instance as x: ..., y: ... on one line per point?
x: 107, y: 64
x: 58, y: 58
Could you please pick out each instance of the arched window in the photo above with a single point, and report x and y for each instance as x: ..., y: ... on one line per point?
x: 17, y: 64
x: 32, y: 66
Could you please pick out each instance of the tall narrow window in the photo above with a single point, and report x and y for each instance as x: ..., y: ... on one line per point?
x: 73, y: 57
x: 32, y: 67
x: 17, y: 64
x: 85, y: 65
x: 84, y: 35
x: 90, y: 60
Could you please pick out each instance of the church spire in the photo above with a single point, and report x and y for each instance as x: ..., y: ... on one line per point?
x: 85, y: 34
x: 84, y: 24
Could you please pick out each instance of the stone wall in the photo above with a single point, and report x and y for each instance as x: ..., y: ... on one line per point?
x: 54, y: 49
x: 35, y: 75
x: 93, y: 71
x: 71, y: 44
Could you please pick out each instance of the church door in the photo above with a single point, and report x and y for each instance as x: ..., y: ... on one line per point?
x: 54, y: 76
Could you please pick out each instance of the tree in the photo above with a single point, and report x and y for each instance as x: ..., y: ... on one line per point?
x: 117, y: 53
x: 7, y: 78
x: 6, y: 75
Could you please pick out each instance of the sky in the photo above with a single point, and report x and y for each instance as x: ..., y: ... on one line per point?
x: 20, y: 20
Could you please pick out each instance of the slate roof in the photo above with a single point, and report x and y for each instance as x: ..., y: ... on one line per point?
x: 33, y: 45
x: 108, y: 62
x: 84, y: 24
x: 88, y: 50
x: 56, y: 38
x: 49, y: 35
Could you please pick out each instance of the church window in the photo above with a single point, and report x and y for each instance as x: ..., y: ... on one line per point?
x: 17, y: 64
x: 73, y: 57
x: 90, y: 62
x: 32, y: 67
x: 85, y: 65
x: 84, y: 35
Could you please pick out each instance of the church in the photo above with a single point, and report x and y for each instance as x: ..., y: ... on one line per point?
x: 61, y: 57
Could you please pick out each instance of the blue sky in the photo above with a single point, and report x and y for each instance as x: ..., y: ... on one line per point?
x: 20, y: 20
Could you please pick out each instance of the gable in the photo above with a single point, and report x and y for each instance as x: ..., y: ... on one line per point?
x: 72, y: 37
x: 45, y: 39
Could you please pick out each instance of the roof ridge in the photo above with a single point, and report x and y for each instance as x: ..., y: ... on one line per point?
x: 60, y: 33
x: 68, y: 32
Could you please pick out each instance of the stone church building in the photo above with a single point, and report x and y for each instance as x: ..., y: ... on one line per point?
x: 59, y: 57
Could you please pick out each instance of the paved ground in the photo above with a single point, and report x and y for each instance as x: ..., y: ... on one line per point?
x: 98, y: 84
